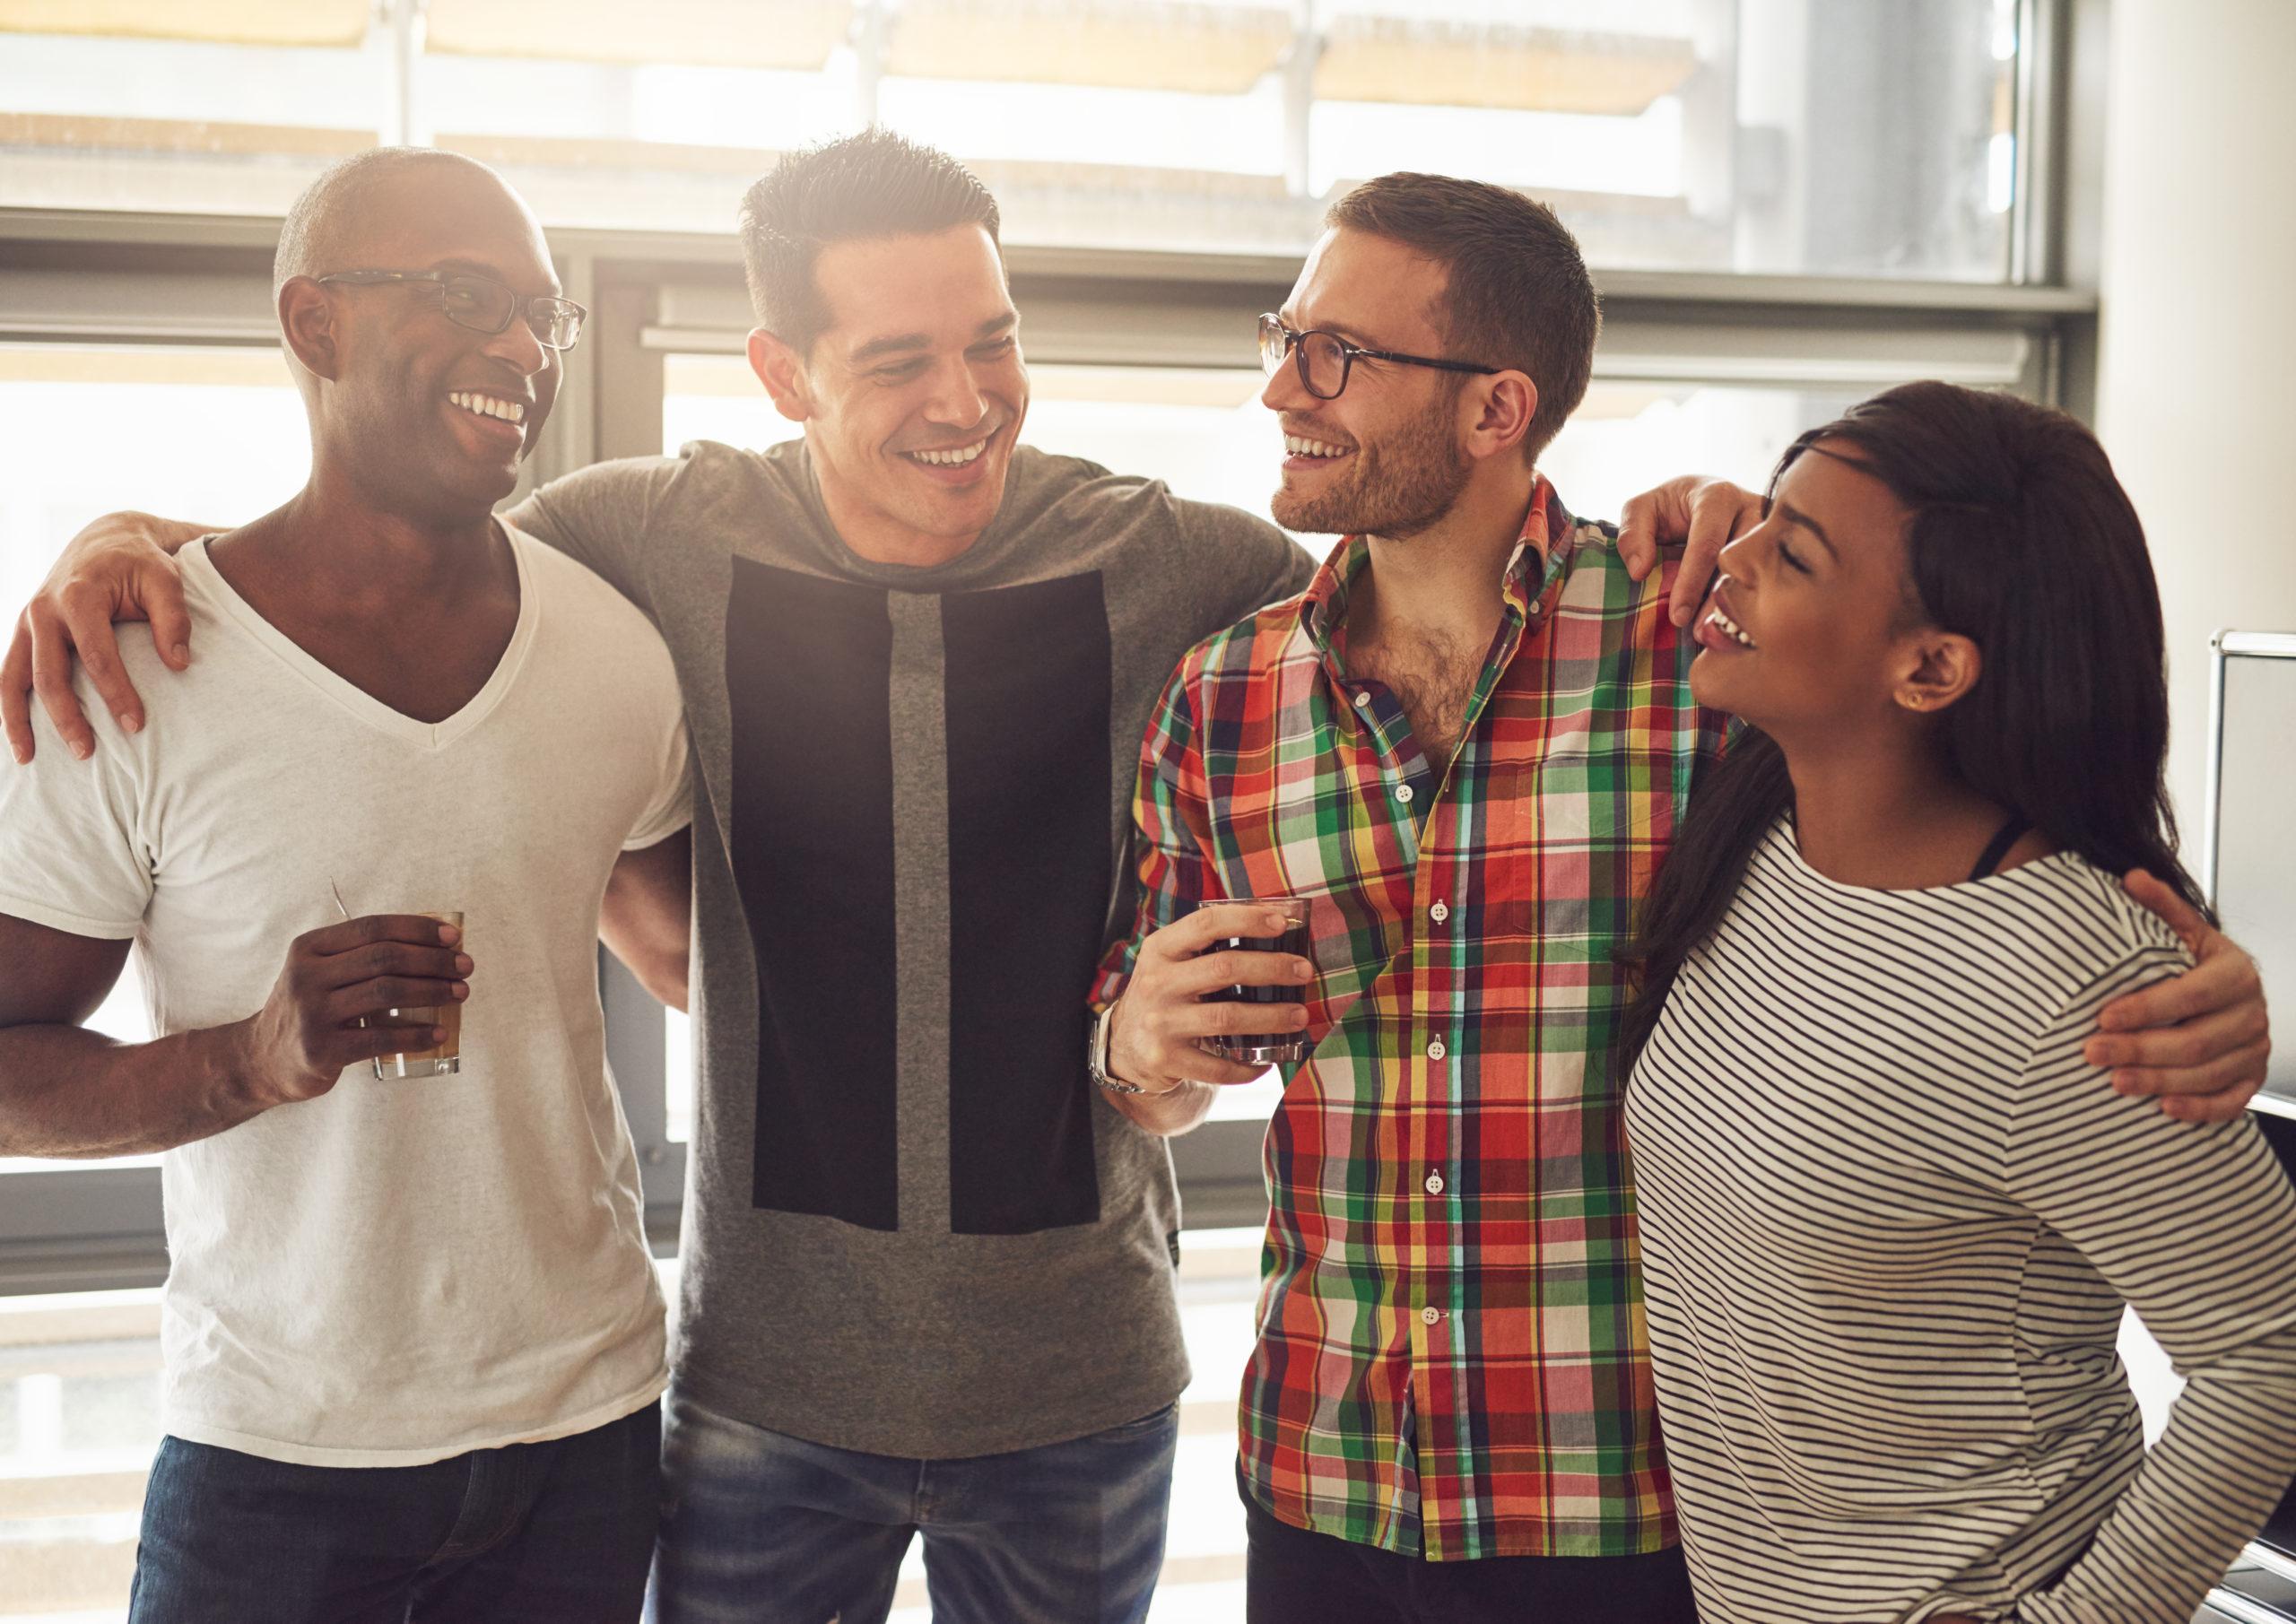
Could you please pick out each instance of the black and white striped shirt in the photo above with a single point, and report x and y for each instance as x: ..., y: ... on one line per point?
x: 1888, y: 1217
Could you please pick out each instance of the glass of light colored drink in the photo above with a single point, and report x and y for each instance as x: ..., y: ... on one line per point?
x: 448, y: 1057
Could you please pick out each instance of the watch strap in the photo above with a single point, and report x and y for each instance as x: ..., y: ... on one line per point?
x: 1097, y: 1058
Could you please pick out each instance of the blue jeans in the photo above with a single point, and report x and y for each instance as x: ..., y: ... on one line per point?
x: 762, y: 1528
x: 559, y: 1533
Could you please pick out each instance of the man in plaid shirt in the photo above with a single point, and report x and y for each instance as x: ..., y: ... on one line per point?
x: 1449, y: 1415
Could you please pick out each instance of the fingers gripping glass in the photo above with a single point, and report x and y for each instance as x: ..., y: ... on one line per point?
x: 1325, y: 359
x: 483, y: 304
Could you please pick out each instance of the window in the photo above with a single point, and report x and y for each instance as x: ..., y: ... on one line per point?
x: 79, y: 1419
x: 209, y: 432
x: 202, y: 433
x: 1802, y: 137
x: 1790, y: 204
x: 117, y: 331
x: 66, y: 413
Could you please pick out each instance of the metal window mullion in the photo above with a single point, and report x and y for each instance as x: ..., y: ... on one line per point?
x: 80, y: 1228
x: 400, y: 23
x: 2036, y: 210
x: 1299, y: 70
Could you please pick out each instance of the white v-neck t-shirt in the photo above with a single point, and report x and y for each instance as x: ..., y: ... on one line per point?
x: 396, y: 1271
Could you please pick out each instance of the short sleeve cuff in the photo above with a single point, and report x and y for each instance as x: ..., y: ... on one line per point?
x: 659, y: 830
x: 66, y: 920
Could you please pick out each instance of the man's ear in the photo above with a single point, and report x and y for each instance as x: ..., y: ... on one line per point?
x: 1503, y: 405
x: 1944, y: 666
x: 307, y: 321
x: 782, y: 370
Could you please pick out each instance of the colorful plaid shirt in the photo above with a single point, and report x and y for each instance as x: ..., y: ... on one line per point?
x: 1451, y: 1358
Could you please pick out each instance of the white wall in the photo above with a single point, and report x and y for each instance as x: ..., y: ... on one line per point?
x: 2197, y: 397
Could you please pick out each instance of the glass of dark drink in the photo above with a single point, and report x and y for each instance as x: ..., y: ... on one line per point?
x: 1265, y: 1048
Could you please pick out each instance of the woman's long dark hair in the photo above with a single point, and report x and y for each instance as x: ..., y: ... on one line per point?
x: 2022, y: 541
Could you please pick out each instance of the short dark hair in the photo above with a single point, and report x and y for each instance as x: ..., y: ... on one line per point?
x: 1518, y: 293
x: 875, y: 184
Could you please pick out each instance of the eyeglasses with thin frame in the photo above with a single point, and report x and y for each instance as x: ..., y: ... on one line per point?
x: 1325, y: 359
x: 482, y: 304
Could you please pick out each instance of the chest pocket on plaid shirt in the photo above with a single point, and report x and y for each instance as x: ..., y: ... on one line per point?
x: 1581, y: 830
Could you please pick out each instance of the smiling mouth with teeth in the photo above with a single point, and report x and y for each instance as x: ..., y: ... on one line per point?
x: 1298, y: 445
x: 486, y: 405
x: 1728, y: 628
x: 956, y: 456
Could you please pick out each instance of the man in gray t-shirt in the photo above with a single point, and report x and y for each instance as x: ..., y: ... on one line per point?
x: 928, y: 1266
x: 928, y: 1277
x: 916, y: 1230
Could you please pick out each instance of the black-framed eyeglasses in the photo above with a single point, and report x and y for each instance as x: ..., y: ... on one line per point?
x: 484, y: 304
x: 1325, y: 359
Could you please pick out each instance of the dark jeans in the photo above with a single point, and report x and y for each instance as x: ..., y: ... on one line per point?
x: 560, y: 1532
x: 1293, y: 1576
x: 768, y: 1529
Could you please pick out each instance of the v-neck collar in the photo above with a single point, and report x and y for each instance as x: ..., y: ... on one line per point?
x: 199, y: 570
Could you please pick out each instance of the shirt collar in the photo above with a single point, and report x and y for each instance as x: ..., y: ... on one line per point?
x: 1534, y: 574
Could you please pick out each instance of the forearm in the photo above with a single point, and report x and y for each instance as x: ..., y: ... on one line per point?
x: 646, y: 916
x: 2193, y: 1227
x: 662, y: 968
x: 2202, y: 1493
x: 66, y: 1091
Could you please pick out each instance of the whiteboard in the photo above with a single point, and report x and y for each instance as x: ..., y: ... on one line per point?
x: 2249, y: 866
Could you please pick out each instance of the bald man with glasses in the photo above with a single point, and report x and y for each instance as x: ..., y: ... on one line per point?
x: 414, y: 1340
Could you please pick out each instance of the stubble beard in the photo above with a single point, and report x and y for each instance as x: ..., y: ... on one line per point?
x: 1401, y: 485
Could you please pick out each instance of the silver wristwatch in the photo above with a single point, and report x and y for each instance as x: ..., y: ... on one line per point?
x: 1096, y: 1059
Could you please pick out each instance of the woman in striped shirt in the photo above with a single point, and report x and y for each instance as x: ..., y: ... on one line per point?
x: 1889, y: 1212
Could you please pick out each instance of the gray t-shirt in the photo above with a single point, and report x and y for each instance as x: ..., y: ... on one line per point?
x: 914, y: 1225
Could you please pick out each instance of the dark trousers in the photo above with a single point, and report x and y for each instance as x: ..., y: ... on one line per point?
x: 1293, y: 1576
x: 558, y: 1532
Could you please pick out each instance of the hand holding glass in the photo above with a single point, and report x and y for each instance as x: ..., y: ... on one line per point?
x: 1266, y: 1048
x: 445, y: 1057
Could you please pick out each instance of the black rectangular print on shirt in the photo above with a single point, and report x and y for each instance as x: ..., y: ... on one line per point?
x: 1029, y: 872
x: 809, y: 677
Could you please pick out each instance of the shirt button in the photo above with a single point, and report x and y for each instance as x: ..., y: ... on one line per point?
x: 1363, y: 701
x: 1402, y: 792
x: 1439, y: 912
x: 1436, y: 1051
x: 1430, y: 1316
x: 1434, y: 1184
